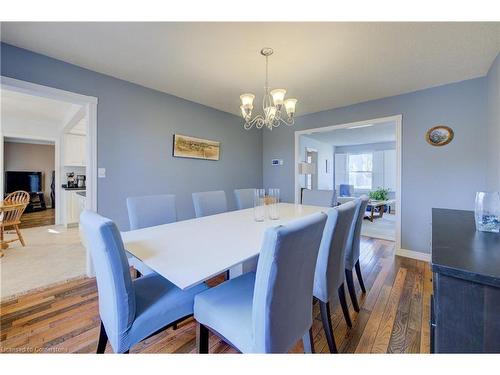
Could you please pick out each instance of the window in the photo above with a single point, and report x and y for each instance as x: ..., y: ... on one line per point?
x: 360, y: 167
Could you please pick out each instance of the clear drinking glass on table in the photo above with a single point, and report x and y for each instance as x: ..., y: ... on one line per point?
x: 259, y: 209
x: 274, y: 199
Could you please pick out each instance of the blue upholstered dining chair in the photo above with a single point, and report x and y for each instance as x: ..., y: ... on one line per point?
x: 130, y: 311
x: 270, y: 310
x: 352, y: 251
x: 209, y: 203
x: 244, y: 198
x: 324, y: 198
x: 151, y: 210
x: 329, y: 274
x: 148, y: 211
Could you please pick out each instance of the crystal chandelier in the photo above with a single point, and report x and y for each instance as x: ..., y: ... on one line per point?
x: 276, y: 109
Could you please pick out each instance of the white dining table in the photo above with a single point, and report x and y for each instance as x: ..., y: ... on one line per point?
x: 191, y: 251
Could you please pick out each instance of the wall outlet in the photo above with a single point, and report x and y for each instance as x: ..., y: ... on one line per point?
x: 277, y: 162
x: 101, y: 172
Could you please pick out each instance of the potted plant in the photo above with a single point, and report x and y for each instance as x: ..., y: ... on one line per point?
x: 380, y: 194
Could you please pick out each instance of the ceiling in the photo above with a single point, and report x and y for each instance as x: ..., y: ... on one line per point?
x: 29, y: 109
x: 323, y: 65
x: 382, y: 132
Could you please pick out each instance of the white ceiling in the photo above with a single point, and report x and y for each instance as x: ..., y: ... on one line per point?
x: 18, y: 109
x: 383, y: 132
x: 323, y: 65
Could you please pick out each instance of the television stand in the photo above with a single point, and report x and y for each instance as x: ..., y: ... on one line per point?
x: 37, y: 202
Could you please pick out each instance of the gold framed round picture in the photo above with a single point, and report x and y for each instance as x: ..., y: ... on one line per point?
x: 439, y: 135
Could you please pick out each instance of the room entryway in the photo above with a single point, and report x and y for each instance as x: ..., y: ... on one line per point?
x: 354, y: 159
x: 47, y: 138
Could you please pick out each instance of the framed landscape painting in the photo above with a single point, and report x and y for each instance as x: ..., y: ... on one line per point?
x: 196, y: 148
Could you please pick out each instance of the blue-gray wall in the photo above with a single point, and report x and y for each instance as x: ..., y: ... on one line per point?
x: 135, y: 128
x: 493, y: 81
x: 446, y: 176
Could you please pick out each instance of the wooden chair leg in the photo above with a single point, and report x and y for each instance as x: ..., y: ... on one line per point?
x: 327, y: 326
x: 308, y: 342
x: 19, y: 235
x: 360, y: 276
x: 103, y: 340
x: 202, y: 338
x: 343, y: 303
x: 352, y: 290
x: 3, y: 245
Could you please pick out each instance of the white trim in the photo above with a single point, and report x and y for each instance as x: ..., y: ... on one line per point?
x: 74, y: 119
x: 29, y: 141
x: 90, y: 105
x: 398, y: 119
x: 414, y: 255
x: 45, y: 91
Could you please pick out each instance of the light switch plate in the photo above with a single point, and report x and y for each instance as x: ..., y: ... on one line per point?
x: 101, y: 172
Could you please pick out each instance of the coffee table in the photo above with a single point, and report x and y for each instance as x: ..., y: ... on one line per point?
x: 377, y: 207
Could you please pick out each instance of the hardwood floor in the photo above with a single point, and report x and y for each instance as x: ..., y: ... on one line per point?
x: 38, y: 218
x: 393, y: 318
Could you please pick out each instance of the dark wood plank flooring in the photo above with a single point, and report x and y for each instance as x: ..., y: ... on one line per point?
x: 393, y: 317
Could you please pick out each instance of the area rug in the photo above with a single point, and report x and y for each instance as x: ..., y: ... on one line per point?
x: 53, y: 254
x: 383, y: 228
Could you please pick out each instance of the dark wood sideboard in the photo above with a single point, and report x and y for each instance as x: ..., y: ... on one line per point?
x: 465, y: 306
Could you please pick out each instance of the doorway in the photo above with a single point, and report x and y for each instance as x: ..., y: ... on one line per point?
x: 39, y: 118
x: 30, y: 166
x: 353, y: 168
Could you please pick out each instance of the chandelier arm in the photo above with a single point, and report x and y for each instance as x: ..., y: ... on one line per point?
x: 287, y: 120
x: 258, y: 121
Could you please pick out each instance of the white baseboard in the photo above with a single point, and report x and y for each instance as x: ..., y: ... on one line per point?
x: 414, y: 255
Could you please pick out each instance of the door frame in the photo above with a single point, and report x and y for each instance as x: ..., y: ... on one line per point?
x: 398, y: 120
x: 57, y: 157
x: 89, y: 103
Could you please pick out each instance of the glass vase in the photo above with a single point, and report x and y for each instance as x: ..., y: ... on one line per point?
x: 274, y: 199
x: 487, y: 211
x: 259, y: 210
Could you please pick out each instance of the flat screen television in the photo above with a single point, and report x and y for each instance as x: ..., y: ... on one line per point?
x: 27, y: 181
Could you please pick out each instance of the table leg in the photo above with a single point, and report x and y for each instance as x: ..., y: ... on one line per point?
x: 249, y: 265
x: 371, y: 215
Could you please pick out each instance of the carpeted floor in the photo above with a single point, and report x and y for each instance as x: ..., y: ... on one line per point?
x: 383, y: 228
x: 53, y: 254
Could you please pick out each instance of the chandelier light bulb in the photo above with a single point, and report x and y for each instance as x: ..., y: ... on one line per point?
x: 270, y: 113
x: 247, y: 100
x: 290, y: 106
x: 278, y: 96
x: 246, y: 111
